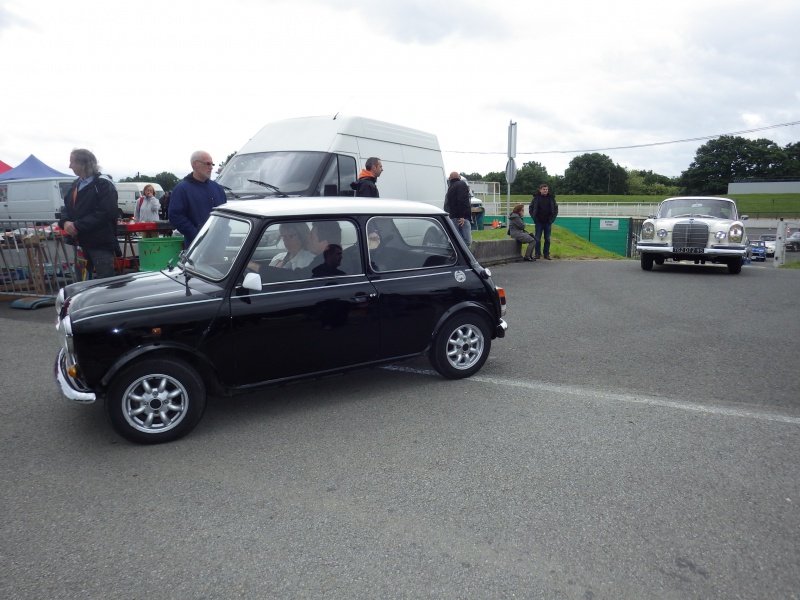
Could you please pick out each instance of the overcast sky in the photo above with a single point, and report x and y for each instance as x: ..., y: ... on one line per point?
x: 143, y: 84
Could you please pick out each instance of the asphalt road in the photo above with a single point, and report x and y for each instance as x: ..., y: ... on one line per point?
x: 618, y: 444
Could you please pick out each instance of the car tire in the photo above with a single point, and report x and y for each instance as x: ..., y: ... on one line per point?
x: 735, y: 266
x: 461, y: 346
x: 647, y: 261
x: 176, y: 400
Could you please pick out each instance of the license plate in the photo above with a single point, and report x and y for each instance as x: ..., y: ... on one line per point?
x: 688, y: 250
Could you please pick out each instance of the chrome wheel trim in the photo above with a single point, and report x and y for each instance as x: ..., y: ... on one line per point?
x: 155, y: 403
x: 465, y: 346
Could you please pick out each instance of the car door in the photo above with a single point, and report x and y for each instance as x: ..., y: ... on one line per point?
x: 415, y: 268
x: 310, y: 319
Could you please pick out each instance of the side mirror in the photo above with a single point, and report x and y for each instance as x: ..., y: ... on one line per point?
x: 744, y: 217
x: 252, y: 281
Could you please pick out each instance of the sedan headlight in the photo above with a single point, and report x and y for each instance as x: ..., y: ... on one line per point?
x: 720, y: 235
x: 648, y: 230
x: 662, y: 233
x: 736, y: 233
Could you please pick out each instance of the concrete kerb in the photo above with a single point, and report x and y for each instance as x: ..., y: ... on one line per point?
x: 490, y: 252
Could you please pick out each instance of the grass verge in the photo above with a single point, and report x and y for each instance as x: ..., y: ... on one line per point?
x: 564, y: 244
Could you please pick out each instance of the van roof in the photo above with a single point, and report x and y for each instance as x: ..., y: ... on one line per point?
x: 319, y: 133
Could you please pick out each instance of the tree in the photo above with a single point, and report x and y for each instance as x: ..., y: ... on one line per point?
x: 165, y: 179
x: 647, y: 183
x: 728, y: 158
x: 497, y: 176
x: 595, y: 173
x: 529, y: 176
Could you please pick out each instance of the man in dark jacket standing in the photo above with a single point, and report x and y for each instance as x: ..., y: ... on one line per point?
x: 195, y: 197
x: 543, y: 211
x: 90, y: 213
x: 366, y: 185
x: 458, y: 206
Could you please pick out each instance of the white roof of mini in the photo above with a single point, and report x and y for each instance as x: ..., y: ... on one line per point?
x: 328, y: 205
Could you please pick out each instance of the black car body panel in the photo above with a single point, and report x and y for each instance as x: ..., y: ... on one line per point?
x: 380, y: 304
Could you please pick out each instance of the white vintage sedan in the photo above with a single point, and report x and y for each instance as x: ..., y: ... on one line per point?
x: 694, y: 228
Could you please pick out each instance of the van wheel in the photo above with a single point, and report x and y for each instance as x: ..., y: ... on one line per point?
x: 155, y: 401
x: 461, y: 346
x: 120, y: 214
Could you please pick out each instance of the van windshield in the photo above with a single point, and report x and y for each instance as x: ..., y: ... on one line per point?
x: 291, y: 173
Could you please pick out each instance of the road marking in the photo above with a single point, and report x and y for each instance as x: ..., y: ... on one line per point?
x: 615, y: 397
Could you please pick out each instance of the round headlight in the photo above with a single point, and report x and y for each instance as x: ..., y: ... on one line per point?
x: 720, y: 235
x: 662, y: 233
x: 736, y: 234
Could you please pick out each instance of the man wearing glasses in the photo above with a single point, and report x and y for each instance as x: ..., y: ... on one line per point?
x: 195, y: 197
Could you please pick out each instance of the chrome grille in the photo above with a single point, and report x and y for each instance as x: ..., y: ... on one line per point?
x: 690, y: 235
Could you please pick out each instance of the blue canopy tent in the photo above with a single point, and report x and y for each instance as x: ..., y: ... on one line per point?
x: 32, y: 168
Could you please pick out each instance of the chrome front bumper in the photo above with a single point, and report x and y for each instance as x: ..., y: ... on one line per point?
x: 669, y: 251
x: 67, y: 385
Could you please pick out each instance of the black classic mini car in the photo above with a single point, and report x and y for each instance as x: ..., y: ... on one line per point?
x: 273, y: 291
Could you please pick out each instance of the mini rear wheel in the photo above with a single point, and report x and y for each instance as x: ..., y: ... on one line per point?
x: 156, y: 401
x: 461, y: 346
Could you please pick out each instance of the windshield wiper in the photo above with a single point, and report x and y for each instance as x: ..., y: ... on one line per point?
x: 270, y: 186
x: 227, y: 189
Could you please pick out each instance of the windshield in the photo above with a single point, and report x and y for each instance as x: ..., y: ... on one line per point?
x: 272, y: 173
x: 216, y: 247
x: 715, y: 208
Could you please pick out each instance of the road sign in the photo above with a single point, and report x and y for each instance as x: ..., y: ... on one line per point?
x: 511, y: 171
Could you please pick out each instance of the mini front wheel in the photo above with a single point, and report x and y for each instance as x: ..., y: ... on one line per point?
x: 155, y: 401
x: 461, y: 346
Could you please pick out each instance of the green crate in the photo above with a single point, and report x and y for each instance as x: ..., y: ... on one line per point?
x: 155, y: 253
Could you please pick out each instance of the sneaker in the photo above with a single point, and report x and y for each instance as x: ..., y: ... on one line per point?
x: 528, y: 259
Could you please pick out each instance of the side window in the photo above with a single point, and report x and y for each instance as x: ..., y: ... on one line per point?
x: 404, y: 243
x: 328, y: 183
x: 347, y: 174
x: 295, y: 250
x: 339, y: 174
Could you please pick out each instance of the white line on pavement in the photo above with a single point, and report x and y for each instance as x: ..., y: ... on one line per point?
x: 616, y: 397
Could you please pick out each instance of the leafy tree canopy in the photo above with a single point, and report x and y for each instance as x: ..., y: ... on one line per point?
x: 595, y: 173
x: 728, y: 158
x: 166, y: 180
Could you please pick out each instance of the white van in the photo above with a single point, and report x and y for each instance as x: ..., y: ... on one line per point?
x: 322, y: 156
x: 37, y: 200
x: 129, y: 194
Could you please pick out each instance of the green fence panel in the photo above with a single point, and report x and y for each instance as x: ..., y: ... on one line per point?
x: 612, y: 234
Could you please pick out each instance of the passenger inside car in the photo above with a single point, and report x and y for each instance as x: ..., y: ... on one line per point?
x: 296, y: 237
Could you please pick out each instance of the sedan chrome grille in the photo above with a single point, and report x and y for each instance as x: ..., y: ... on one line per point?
x: 690, y: 235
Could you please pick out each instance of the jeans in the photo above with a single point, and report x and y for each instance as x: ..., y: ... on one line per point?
x: 103, y: 261
x: 543, y: 228
x: 465, y: 230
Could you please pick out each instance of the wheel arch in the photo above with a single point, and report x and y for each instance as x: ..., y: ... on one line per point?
x: 472, y: 307
x: 199, y: 362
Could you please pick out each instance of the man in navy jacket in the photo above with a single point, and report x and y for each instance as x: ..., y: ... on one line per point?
x: 195, y: 197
